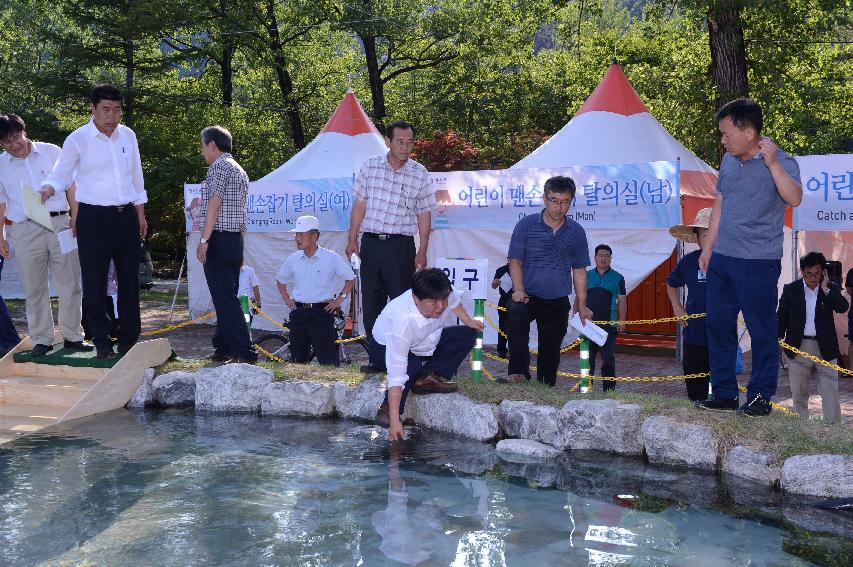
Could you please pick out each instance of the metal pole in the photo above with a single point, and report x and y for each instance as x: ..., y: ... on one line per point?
x: 247, y: 311
x: 584, y: 360
x: 477, y: 353
x: 177, y: 287
x: 794, y: 263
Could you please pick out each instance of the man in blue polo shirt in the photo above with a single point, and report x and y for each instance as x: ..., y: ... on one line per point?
x: 547, y: 252
x: 743, y: 257
x: 608, y: 301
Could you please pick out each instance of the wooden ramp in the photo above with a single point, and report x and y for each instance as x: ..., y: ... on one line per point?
x: 34, y: 396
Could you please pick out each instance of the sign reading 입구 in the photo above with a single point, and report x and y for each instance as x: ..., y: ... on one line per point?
x: 827, y: 193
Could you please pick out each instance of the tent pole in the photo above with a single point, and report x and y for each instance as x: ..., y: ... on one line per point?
x: 177, y: 286
x: 794, y: 238
x: 679, y: 343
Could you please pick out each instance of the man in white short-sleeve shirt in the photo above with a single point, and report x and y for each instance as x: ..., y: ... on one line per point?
x: 417, y: 341
x: 308, y: 283
x: 23, y: 166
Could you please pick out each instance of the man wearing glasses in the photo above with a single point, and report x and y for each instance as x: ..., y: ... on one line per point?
x: 547, y: 253
x: 23, y: 167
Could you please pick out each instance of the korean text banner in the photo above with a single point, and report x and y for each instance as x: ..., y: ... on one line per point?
x: 827, y: 193
x: 642, y: 195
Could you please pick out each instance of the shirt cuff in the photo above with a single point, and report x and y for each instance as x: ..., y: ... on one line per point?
x: 397, y: 380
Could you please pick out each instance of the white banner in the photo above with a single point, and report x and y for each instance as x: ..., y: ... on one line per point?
x: 827, y: 193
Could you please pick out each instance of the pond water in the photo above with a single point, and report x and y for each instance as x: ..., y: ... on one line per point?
x: 173, y: 488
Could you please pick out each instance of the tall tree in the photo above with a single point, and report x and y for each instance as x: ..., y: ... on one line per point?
x: 728, y: 50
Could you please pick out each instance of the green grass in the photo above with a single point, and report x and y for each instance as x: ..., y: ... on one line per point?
x: 283, y: 372
x: 162, y: 296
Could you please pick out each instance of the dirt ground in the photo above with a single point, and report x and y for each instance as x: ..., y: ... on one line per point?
x: 194, y: 342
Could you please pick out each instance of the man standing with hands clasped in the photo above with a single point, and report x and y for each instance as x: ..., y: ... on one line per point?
x: 107, y: 214
x: 743, y: 256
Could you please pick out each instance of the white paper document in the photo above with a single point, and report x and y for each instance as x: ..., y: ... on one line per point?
x: 67, y: 242
x: 34, y: 208
x: 591, y: 331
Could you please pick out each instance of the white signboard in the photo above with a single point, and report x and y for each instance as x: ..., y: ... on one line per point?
x: 468, y: 275
x: 827, y: 193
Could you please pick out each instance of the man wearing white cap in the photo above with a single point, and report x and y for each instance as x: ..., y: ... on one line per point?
x: 308, y: 282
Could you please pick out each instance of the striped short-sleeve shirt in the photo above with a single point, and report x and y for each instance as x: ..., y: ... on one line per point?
x: 227, y: 180
x: 393, y: 198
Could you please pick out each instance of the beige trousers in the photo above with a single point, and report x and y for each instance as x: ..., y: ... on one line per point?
x: 800, y: 371
x: 37, y: 253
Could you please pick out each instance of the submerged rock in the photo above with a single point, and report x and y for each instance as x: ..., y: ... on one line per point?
x: 360, y: 402
x: 754, y: 465
x: 527, y: 420
x: 455, y: 413
x: 669, y: 442
x: 827, y: 476
x: 298, y: 398
x: 231, y: 388
x: 524, y: 450
x: 144, y: 395
x: 600, y: 425
x: 174, y: 389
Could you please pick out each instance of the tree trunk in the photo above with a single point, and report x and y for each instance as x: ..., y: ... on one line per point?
x: 377, y: 87
x: 285, y: 83
x: 728, y: 53
x: 227, y: 68
x: 129, y: 70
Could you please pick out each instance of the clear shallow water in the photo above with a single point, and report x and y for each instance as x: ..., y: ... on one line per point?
x: 171, y: 488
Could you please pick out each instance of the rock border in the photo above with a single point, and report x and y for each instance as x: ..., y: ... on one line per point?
x: 535, y: 431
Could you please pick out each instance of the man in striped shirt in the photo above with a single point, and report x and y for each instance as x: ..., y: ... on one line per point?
x: 393, y: 201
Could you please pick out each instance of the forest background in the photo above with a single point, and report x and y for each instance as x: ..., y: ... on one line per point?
x: 484, y: 81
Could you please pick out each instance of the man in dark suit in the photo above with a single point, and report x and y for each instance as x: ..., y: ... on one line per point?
x: 806, y: 322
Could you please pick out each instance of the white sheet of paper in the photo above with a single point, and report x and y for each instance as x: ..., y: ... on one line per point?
x: 591, y: 331
x: 67, y: 242
x: 34, y: 208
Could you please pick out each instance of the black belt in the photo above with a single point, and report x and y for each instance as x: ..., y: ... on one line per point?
x: 812, y: 337
x: 112, y: 208
x: 58, y: 213
x: 319, y: 305
x: 380, y: 236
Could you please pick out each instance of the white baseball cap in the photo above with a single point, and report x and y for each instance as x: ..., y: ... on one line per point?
x: 306, y: 223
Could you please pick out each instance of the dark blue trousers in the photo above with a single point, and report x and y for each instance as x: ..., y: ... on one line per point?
x: 453, y: 346
x: 9, y: 338
x: 222, y: 272
x: 749, y: 286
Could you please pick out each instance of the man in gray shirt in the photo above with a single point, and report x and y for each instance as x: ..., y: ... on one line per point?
x: 743, y: 256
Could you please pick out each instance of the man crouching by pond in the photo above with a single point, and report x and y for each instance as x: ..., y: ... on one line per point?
x: 416, y: 341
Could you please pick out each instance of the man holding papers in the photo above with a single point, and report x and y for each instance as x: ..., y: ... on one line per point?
x: 108, y: 213
x: 23, y: 166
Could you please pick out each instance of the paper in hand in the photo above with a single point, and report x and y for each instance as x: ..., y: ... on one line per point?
x: 67, y: 241
x: 591, y: 331
x: 34, y: 209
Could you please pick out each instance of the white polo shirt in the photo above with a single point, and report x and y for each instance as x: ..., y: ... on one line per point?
x: 15, y: 173
x: 402, y: 329
x: 248, y: 280
x: 315, y: 278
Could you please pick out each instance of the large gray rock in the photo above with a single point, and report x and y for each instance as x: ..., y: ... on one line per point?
x: 527, y: 420
x: 524, y: 450
x: 231, y: 388
x: 826, y: 476
x: 298, y: 398
x: 144, y: 395
x: 669, y: 442
x: 174, y: 389
x: 360, y: 402
x: 754, y: 465
x: 455, y: 413
x: 600, y: 425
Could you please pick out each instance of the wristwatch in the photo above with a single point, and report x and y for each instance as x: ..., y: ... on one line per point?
x: 204, y: 240
x: 344, y: 295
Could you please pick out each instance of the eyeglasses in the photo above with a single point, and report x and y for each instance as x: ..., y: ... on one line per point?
x: 12, y: 139
x: 812, y: 275
x: 560, y: 202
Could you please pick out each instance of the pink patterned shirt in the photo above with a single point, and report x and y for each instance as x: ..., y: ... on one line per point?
x: 394, y: 198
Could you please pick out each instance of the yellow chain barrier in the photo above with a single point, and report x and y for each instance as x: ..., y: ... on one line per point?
x: 168, y: 328
x: 284, y: 328
x: 816, y: 359
x: 632, y: 322
x: 504, y: 335
x: 269, y: 355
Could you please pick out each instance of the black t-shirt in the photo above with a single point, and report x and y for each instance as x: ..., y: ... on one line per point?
x: 848, y: 283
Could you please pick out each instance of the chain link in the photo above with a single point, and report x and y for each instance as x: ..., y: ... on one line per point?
x: 816, y: 359
x: 168, y: 328
x: 632, y: 322
x: 284, y: 328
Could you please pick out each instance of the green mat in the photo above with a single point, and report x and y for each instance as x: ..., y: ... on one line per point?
x: 66, y: 356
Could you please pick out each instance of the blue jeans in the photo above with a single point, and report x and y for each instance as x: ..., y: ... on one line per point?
x: 453, y: 346
x: 736, y: 284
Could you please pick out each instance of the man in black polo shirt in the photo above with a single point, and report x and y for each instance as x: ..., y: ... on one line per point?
x: 548, y: 251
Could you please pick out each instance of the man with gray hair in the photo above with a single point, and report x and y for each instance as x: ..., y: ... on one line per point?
x: 220, y: 250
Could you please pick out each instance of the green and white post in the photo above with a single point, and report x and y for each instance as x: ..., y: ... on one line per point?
x: 247, y: 312
x: 477, y: 353
x: 584, y: 365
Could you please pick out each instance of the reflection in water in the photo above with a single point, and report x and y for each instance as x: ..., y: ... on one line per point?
x: 173, y: 488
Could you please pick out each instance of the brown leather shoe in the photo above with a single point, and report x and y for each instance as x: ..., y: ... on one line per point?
x: 432, y: 383
x: 513, y: 379
x: 383, y: 416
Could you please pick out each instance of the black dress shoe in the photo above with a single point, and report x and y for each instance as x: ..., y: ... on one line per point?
x: 106, y: 354
x: 122, y: 349
x: 220, y: 357
x: 369, y: 369
x: 246, y: 359
x: 78, y: 346
x: 41, y: 350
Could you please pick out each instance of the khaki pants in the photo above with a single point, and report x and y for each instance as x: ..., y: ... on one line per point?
x: 800, y: 371
x: 37, y: 252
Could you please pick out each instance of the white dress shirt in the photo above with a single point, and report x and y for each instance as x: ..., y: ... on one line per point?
x: 15, y: 173
x: 248, y: 280
x: 315, y: 278
x: 402, y: 329
x: 811, y: 304
x: 108, y: 169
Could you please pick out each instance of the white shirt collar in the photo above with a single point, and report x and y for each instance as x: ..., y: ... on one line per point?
x: 93, y: 131
x: 810, y: 290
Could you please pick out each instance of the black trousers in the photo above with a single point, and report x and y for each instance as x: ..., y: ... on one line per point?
x: 502, y: 302
x: 104, y: 234
x: 111, y: 317
x: 552, y: 321
x: 696, y: 360
x: 222, y: 272
x: 608, y: 358
x: 313, y: 328
x: 452, y: 348
x: 386, y: 272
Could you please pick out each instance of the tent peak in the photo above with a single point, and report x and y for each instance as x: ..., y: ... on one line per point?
x: 349, y: 118
x: 614, y: 94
